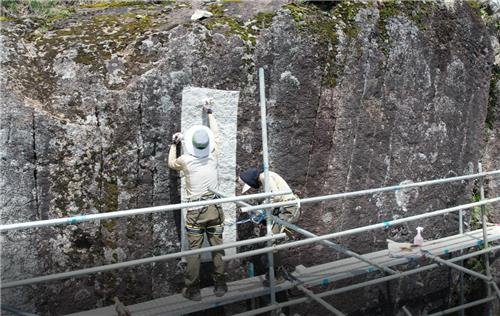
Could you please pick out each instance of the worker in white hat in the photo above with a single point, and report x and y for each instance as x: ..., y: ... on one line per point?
x: 199, y: 165
x: 254, y: 178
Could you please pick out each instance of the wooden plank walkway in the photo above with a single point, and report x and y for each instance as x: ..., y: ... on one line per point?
x: 311, y: 276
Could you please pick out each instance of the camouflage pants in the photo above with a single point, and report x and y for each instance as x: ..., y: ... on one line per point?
x: 207, y: 220
x: 291, y: 215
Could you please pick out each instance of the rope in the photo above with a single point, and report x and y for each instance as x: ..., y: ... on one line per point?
x: 255, y: 218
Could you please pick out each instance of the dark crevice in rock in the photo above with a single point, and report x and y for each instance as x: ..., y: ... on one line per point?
x: 35, y: 166
x: 311, y: 148
x: 140, y: 145
x: 351, y: 186
x: 464, y: 136
x: 101, y: 159
x: 9, y: 132
x: 391, y: 119
x: 154, y: 172
x: 151, y: 219
x: 347, y: 184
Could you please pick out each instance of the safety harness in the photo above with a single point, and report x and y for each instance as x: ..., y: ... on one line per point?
x: 197, y: 230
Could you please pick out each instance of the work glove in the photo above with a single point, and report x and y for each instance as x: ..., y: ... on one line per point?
x: 176, y: 138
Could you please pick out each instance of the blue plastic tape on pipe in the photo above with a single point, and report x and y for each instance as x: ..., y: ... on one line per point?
x: 325, y: 282
x: 76, y: 219
x: 387, y: 224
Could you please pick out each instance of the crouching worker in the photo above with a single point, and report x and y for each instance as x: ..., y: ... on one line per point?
x: 199, y: 165
x: 255, y: 178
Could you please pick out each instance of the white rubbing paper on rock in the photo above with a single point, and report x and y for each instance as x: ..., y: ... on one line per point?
x: 225, y: 107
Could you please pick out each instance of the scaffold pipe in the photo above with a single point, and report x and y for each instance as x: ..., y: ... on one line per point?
x: 464, y: 306
x: 364, y: 284
x: 139, y: 211
x: 455, y: 266
x: 320, y: 300
x: 328, y: 243
x: 265, y: 161
x: 385, y: 224
x: 368, y: 191
x: 126, y: 264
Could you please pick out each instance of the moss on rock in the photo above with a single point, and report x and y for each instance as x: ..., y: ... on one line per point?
x: 4, y: 18
x: 416, y: 11
x: 246, y: 31
x: 110, y: 198
x: 114, y: 4
x: 324, y: 25
x: 264, y: 19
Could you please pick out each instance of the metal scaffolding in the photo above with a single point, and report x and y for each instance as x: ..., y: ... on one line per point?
x: 364, y: 263
x: 312, y: 238
x: 265, y: 163
x: 397, y: 275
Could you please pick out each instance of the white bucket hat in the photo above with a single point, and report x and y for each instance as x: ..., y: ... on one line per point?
x: 199, y: 141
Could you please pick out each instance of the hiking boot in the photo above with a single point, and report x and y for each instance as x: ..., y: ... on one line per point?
x: 279, y: 276
x: 220, y: 289
x: 191, y: 294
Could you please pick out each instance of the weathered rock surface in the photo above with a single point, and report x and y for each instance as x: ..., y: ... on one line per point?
x: 359, y: 96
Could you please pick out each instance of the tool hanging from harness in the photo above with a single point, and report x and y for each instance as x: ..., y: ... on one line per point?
x: 216, y: 230
x: 258, y: 216
x: 255, y: 217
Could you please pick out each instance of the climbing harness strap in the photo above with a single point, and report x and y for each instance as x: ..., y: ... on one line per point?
x: 194, y: 230
x: 216, y: 230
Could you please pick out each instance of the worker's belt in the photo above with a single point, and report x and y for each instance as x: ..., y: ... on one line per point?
x: 206, y: 196
x: 194, y: 230
x: 213, y: 230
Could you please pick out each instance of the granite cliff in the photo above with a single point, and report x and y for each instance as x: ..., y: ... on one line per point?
x: 360, y: 95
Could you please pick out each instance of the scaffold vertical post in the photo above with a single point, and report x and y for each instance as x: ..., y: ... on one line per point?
x: 461, y: 231
x: 485, y: 236
x: 265, y: 158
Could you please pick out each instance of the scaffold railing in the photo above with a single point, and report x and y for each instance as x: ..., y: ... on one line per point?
x: 311, y: 239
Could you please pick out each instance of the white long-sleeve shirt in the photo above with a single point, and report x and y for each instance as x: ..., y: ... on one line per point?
x: 201, y: 173
x: 277, y: 184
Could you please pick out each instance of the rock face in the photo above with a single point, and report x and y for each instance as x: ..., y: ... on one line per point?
x: 359, y: 96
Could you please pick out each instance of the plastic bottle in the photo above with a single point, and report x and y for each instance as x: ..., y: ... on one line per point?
x: 250, y: 269
x: 418, y: 240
